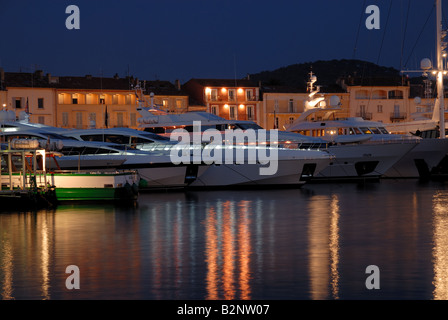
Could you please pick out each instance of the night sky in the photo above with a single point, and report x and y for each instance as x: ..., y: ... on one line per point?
x: 184, y: 39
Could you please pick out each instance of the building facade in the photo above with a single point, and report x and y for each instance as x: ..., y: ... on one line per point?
x: 281, y: 106
x: 228, y: 98
x: 86, y: 102
x: 386, y: 104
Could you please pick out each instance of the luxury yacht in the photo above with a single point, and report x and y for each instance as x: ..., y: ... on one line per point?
x: 154, y: 159
x: 223, y: 172
x: 350, y: 161
x: 421, y: 159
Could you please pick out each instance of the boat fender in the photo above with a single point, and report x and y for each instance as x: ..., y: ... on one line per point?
x: 143, y: 183
x: 135, y: 188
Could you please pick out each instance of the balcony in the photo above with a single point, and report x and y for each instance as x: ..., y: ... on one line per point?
x: 252, y: 98
x: 364, y: 115
x: 397, y: 116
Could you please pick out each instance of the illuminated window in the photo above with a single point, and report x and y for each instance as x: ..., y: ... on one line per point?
x: 231, y: 94
x: 250, y: 112
x: 232, y: 112
x: 249, y: 95
x: 214, y: 110
x: 214, y: 95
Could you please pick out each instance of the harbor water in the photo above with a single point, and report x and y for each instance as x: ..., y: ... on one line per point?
x: 318, y: 242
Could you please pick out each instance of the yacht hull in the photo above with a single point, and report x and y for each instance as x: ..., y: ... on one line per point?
x: 294, y: 168
x: 360, y: 161
x: 421, y: 160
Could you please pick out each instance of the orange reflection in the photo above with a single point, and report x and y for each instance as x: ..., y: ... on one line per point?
x: 334, y: 246
x: 245, y: 250
x: 323, y: 238
x: 211, y: 255
x: 228, y: 251
x: 45, y: 255
x: 440, y: 250
x: 7, y: 268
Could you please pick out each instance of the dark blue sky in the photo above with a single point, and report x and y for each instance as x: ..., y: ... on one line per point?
x: 183, y: 39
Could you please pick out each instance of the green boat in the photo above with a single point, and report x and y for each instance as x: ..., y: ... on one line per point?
x: 84, y: 185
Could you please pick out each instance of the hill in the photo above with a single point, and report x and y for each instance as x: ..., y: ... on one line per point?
x: 328, y: 73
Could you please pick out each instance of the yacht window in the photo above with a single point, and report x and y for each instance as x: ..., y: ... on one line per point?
x: 56, y: 136
x: 154, y: 136
x: 351, y: 131
x: 73, y: 151
x: 383, y: 130
x: 375, y: 130
x: 92, y: 137
x: 365, y: 130
x: 246, y: 126
x: 357, y: 131
x: 113, y: 138
x: 138, y: 140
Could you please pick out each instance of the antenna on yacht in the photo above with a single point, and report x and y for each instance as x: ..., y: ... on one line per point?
x: 441, y: 54
x: 439, y: 71
x: 312, y: 102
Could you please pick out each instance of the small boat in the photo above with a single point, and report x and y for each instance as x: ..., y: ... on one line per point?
x: 28, y: 171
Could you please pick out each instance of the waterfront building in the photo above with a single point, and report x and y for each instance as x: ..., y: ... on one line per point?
x: 29, y: 93
x: 233, y: 99
x: 282, y: 105
x: 390, y: 100
x: 86, y: 101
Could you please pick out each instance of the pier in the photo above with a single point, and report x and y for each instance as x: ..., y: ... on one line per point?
x: 23, y: 194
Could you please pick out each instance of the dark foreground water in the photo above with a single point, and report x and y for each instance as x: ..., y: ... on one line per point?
x: 309, y: 243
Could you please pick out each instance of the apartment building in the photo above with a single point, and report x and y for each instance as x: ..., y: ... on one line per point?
x: 228, y: 98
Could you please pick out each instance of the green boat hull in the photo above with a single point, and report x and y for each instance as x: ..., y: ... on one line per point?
x: 95, y: 194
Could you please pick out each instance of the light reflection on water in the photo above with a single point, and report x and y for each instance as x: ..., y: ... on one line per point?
x: 309, y: 243
x: 440, y: 250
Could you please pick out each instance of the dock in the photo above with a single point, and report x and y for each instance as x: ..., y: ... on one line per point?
x: 25, y: 195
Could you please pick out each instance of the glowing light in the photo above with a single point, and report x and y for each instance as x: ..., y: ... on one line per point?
x: 240, y: 90
x: 223, y: 90
x: 241, y: 106
x: 208, y: 90
x: 226, y: 106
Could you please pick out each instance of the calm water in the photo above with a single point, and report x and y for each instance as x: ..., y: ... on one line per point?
x: 309, y: 243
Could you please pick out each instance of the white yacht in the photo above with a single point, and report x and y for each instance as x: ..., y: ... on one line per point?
x: 423, y: 157
x: 226, y: 173
x: 156, y: 168
x: 350, y: 161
